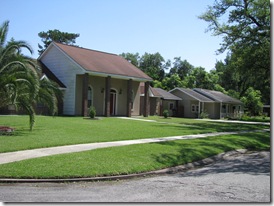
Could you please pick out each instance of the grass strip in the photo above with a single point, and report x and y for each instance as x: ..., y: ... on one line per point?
x: 132, y: 159
x: 58, y: 131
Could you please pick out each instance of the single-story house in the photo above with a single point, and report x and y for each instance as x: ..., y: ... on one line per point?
x: 93, y: 78
x: 216, y: 104
x: 160, y: 100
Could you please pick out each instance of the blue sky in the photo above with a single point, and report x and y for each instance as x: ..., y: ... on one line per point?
x: 170, y: 27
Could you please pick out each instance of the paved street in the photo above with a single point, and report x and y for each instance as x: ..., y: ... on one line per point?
x: 238, y: 178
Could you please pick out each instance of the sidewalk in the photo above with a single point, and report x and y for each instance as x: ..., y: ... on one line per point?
x: 234, y: 121
x: 42, y: 152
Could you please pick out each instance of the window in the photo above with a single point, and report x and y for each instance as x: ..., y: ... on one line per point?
x: 171, y: 106
x: 90, y: 97
x: 194, y: 108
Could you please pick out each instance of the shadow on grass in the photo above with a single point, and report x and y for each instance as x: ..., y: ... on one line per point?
x: 205, y: 127
x: 188, y: 151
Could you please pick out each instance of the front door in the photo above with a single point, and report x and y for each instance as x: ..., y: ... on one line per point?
x: 113, y: 102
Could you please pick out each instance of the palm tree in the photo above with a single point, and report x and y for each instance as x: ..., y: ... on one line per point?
x: 20, y: 84
x: 49, y: 93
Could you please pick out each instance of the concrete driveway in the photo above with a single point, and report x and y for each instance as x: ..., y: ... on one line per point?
x: 236, y: 178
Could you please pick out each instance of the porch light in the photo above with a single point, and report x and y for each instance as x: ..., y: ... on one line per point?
x: 120, y: 91
x: 102, y: 90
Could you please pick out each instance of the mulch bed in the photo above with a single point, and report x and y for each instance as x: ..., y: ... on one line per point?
x: 4, y: 130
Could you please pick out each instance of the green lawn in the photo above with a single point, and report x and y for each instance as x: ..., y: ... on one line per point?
x: 133, y: 158
x: 57, y: 131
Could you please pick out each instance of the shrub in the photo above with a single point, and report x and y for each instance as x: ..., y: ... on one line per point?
x: 203, y: 115
x: 92, y: 112
x: 252, y: 101
x: 165, y: 113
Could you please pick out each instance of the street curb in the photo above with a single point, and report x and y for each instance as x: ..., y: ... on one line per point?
x: 171, y: 170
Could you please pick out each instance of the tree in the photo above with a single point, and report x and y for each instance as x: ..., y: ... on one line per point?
x: 57, y: 36
x: 248, y: 22
x: 252, y: 101
x: 153, y: 65
x: 182, y: 68
x: 20, y: 82
x: 171, y: 82
x: 198, y: 78
x: 246, y: 35
x: 49, y: 93
x: 132, y: 58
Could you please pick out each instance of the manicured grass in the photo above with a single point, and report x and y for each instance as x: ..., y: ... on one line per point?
x: 57, y: 131
x: 133, y: 158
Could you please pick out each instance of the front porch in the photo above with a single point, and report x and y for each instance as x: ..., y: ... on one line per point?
x: 231, y: 111
x: 110, y: 96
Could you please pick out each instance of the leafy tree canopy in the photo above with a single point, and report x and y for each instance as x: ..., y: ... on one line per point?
x: 245, y: 28
x: 132, y: 58
x: 20, y: 79
x: 153, y: 65
x: 248, y: 22
x: 57, y: 36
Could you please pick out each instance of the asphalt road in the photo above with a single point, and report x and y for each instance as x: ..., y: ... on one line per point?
x: 238, y: 178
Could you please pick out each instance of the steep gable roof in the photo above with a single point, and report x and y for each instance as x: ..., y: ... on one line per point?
x: 101, y: 62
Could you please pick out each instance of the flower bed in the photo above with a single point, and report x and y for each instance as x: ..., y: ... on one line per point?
x: 4, y: 130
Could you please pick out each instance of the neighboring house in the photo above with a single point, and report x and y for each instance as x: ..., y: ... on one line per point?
x: 92, y: 78
x: 160, y: 100
x: 216, y: 104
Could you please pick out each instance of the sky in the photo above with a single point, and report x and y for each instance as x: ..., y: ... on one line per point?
x: 170, y: 27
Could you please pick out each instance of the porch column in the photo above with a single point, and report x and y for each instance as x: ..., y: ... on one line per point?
x: 146, y: 100
x: 129, y: 97
x: 85, y: 95
x: 107, y: 96
x: 177, y: 108
x: 221, y: 105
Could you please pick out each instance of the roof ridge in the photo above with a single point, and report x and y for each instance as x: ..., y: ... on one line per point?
x: 78, y: 47
x: 204, y: 92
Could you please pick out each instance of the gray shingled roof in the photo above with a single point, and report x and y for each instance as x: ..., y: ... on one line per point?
x: 217, y: 96
x: 166, y: 95
x: 195, y: 95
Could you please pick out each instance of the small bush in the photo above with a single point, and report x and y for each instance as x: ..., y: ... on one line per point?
x: 92, y: 112
x: 165, y: 113
x: 203, y: 115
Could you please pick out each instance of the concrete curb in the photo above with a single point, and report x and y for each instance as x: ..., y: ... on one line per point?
x: 171, y: 170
